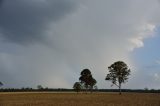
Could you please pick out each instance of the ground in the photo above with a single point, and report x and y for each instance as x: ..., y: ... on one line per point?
x: 81, y: 99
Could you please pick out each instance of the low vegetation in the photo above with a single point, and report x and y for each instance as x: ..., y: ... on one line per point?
x: 81, y: 99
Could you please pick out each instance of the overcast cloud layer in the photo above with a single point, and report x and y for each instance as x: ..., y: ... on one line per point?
x: 49, y: 42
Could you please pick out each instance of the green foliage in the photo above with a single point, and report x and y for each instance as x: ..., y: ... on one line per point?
x: 77, y: 86
x: 146, y: 89
x: 39, y: 87
x: 1, y: 84
x: 86, y: 79
x: 118, y: 73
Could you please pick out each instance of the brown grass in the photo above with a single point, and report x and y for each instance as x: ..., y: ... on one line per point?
x: 73, y: 99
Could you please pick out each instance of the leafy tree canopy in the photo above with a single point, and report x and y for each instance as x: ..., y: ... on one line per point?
x: 87, y: 79
x: 1, y: 83
x: 118, y: 73
x: 77, y: 86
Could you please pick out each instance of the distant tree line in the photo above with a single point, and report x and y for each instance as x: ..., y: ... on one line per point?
x: 27, y: 89
x: 71, y: 90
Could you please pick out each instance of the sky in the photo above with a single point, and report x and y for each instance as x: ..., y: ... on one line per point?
x: 49, y: 42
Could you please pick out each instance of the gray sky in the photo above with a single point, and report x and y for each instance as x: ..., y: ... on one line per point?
x: 49, y: 42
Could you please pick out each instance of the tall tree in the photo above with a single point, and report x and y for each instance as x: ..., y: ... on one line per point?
x: 92, y: 83
x: 86, y: 79
x: 118, y: 74
x: 77, y: 86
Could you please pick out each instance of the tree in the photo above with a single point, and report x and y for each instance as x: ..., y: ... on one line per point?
x: 92, y: 83
x: 40, y: 87
x: 118, y: 74
x: 95, y: 87
x: 1, y: 84
x: 77, y: 86
x: 86, y: 79
x: 146, y: 89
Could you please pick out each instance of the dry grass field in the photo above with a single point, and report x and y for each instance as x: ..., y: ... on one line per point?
x: 73, y: 99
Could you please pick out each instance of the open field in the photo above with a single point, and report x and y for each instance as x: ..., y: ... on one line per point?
x: 73, y: 99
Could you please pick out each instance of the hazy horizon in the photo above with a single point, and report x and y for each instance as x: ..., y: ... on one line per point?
x: 49, y: 42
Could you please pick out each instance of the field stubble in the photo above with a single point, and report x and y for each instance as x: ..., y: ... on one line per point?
x: 81, y: 99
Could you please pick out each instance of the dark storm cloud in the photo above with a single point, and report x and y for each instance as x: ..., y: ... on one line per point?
x: 1, y: 1
x: 25, y: 21
x: 82, y: 34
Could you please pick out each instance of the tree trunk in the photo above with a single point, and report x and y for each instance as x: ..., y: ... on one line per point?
x: 120, y: 89
x: 86, y: 89
x: 92, y: 89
